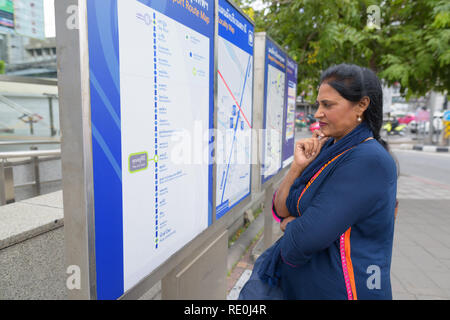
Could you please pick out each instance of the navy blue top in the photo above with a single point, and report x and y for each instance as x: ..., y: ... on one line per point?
x: 356, y: 197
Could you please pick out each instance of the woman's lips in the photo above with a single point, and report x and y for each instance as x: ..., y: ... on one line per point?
x: 322, y: 124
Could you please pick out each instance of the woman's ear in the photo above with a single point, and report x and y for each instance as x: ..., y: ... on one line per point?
x: 363, y: 104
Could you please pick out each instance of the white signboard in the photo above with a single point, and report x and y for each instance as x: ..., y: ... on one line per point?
x: 29, y: 18
x: 275, y: 90
x: 235, y: 102
x: 151, y: 73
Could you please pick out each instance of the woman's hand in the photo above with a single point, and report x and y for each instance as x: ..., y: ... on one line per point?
x: 285, y: 222
x: 306, y: 150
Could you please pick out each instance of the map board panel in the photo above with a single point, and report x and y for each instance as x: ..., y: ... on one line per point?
x: 274, y: 105
x: 235, y: 107
x: 152, y: 185
x: 289, y: 114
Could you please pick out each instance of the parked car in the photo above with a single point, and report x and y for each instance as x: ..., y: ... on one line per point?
x: 310, y: 119
x: 407, y: 119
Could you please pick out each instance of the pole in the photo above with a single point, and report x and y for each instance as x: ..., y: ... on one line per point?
x: 52, y: 125
x: 430, y: 102
x: 30, y: 121
x: 37, y: 178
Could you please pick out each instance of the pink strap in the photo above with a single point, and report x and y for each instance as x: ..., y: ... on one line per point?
x: 345, y: 269
x: 273, y: 212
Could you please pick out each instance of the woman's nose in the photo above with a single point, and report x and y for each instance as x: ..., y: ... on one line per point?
x: 318, y: 114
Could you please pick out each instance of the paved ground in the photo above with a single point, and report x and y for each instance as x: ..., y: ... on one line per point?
x: 421, y: 253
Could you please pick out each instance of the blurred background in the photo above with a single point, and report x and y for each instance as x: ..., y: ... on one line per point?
x: 407, y: 43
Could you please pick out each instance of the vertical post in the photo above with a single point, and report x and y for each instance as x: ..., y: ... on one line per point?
x: 37, y: 178
x: 430, y: 103
x: 258, y: 109
x: 52, y: 124
x: 76, y: 147
x: 6, y: 184
x: 2, y: 184
x: 30, y: 121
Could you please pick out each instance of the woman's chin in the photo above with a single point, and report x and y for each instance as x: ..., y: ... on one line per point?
x: 324, y: 131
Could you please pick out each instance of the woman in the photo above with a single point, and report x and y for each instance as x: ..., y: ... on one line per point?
x: 337, y: 203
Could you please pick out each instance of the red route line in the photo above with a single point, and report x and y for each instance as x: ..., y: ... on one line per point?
x: 226, y: 85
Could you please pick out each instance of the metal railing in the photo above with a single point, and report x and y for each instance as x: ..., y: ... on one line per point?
x: 7, y: 100
x: 7, y: 187
x: 27, y: 142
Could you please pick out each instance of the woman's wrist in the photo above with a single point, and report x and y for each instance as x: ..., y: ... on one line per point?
x: 296, y: 169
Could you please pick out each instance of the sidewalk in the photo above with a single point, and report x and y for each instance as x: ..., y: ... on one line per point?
x: 421, y: 254
x: 410, y: 143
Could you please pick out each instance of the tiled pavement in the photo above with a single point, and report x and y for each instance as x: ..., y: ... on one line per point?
x: 412, y: 187
x: 421, y: 253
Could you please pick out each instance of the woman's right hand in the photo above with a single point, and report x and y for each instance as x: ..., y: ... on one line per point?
x: 307, y: 150
x: 285, y: 222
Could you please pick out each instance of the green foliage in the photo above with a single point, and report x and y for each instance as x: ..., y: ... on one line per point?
x: 2, y: 67
x: 412, y: 46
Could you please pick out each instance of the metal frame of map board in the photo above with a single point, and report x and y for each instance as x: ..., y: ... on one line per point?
x: 266, y: 66
x: 288, y: 145
x: 270, y: 185
x: 244, y: 201
x: 259, y: 110
x: 77, y: 161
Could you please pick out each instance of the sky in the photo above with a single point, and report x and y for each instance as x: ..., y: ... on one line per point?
x: 49, y: 14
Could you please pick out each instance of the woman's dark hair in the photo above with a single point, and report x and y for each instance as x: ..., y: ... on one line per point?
x: 353, y: 83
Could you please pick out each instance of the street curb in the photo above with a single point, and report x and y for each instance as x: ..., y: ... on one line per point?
x: 430, y: 148
x: 424, y: 148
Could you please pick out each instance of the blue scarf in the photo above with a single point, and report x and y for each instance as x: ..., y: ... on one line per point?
x: 268, y: 268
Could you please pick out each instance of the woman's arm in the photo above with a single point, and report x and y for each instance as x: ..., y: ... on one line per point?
x: 355, y: 190
x: 305, y: 152
x: 283, y: 191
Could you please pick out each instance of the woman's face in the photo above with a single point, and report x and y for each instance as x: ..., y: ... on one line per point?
x: 336, y: 115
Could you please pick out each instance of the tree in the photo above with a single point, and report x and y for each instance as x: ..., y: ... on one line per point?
x: 412, y: 45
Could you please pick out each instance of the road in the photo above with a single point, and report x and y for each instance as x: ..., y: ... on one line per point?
x: 421, y: 255
x: 432, y: 165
